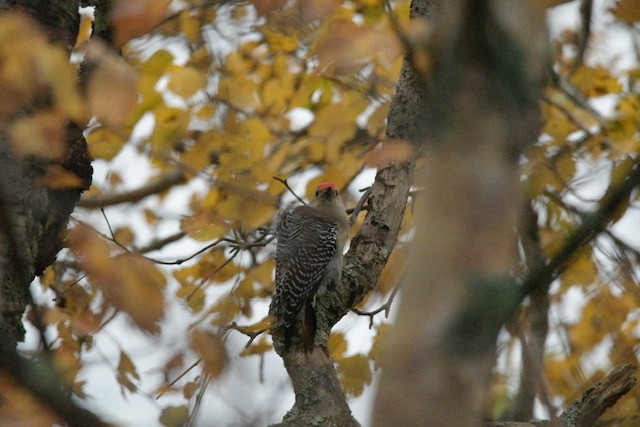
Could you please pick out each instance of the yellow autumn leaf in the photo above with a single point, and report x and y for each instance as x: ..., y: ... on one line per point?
x: 347, y: 46
x: 124, y: 235
x: 205, y: 224
x: 552, y: 240
x: 337, y: 345
x: 85, y: 30
x: 379, y: 343
x: 258, y: 347
x: 255, y: 136
x: 56, y: 177
x: 205, y: 112
x: 595, y: 81
x: 392, y: 271
x: 174, y: 416
x: 194, y: 296
x: 215, y: 266
x: 619, y: 174
x: 249, y: 212
x: 281, y: 42
x: 186, y: 81
x: 262, y: 275
x: 564, y: 375
x: 124, y: 279
x: 581, y: 270
x: 240, y: 91
x: 557, y: 125
x: 191, y: 25
x: 210, y: 348
x: 171, y: 127
x: 104, y: 143
x: 354, y: 373
x: 391, y: 152
x: 127, y: 372
x: 151, y: 70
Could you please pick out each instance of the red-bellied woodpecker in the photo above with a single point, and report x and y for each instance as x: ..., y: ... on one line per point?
x: 308, y: 259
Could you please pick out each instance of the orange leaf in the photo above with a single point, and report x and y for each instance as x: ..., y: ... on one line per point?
x: 627, y: 10
x: 211, y: 348
x: 56, y: 177
x: 129, y: 282
x: 131, y: 19
x: 112, y: 88
x: 127, y: 372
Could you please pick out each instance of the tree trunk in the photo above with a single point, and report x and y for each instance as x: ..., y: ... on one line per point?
x: 486, y: 61
x: 34, y: 218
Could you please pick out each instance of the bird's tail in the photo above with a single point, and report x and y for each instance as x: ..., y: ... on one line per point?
x: 308, y: 333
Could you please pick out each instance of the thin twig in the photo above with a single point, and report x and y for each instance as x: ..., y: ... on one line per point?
x: 204, y: 383
x: 286, y: 184
x: 157, y: 261
x: 172, y: 383
x: 586, y: 10
x: 204, y: 280
x: 246, y: 331
x: 360, y: 205
x: 160, y: 243
x: 386, y: 307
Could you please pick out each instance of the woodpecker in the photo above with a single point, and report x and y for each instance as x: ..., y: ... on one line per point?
x: 308, y: 261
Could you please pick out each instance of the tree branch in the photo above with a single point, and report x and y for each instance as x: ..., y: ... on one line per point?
x: 594, y: 223
x: 159, y: 185
x: 585, y: 411
x: 597, y: 399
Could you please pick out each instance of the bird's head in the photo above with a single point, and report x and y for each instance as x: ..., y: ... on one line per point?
x: 327, y: 190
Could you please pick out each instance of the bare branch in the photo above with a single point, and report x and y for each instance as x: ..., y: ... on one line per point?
x: 586, y: 411
x: 157, y: 261
x: 386, y: 307
x: 160, y: 243
x: 586, y: 10
x: 203, y: 280
x: 592, y: 225
x: 161, y: 184
x: 286, y: 184
x: 246, y: 331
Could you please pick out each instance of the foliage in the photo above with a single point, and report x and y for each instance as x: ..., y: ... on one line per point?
x: 227, y: 89
x: 221, y: 93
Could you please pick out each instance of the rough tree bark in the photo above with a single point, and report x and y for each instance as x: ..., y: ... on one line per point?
x: 33, y: 221
x: 486, y: 68
x: 35, y: 218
